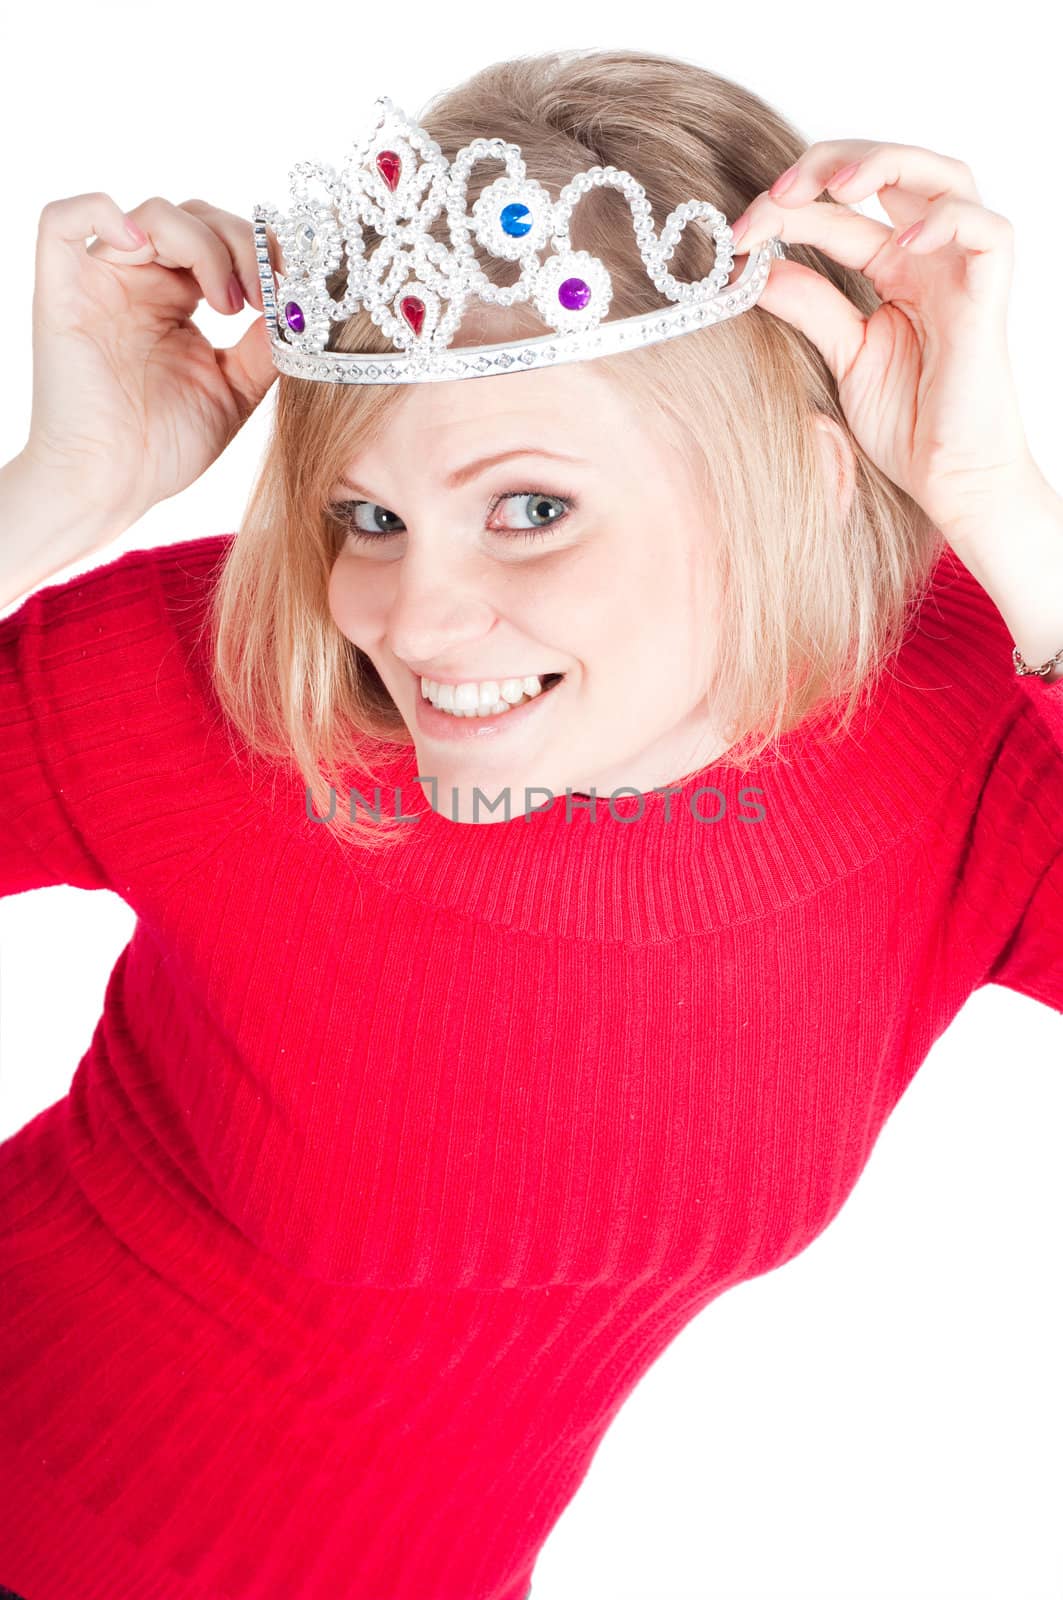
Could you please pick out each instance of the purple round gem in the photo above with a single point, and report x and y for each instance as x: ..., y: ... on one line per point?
x: 574, y: 294
x: 293, y: 316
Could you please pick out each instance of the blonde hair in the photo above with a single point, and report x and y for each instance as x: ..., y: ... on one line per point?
x: 812, y: 603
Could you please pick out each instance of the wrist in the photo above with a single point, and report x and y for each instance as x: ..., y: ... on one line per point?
x: 49, y: 518
x: 1017, y: 557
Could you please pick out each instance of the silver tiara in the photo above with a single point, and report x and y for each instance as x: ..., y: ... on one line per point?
x: 416, y: 289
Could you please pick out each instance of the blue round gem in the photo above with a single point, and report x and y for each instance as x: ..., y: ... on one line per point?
x: 516, y: 219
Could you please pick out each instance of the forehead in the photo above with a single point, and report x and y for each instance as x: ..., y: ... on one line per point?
x: 549, y: 407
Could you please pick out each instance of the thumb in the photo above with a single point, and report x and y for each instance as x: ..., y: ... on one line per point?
x: 810, y: 303
x: 247, y: 366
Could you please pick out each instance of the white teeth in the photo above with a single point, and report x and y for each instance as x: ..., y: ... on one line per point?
x: 486, y: 699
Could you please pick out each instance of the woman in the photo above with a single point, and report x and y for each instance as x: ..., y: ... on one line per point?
x: 405, y: 1145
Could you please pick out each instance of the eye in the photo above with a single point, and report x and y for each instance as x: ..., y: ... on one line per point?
x: 380, y: 519
x: 537, y: 504
x: 370, y: 523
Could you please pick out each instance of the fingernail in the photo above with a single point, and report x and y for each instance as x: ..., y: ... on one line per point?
x: 739, y: 228
x: 236, y: 293
x: 910, y: 233
x: 783, y: 181
x: 135, y: 233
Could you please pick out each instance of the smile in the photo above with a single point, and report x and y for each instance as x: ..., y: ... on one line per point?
x: 490, y: 698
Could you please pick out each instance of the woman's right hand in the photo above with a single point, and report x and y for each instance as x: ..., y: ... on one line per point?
x: 131, y: 402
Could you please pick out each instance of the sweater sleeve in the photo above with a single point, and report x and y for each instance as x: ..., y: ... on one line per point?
x: 83, y: 665
x: 1027, y: 843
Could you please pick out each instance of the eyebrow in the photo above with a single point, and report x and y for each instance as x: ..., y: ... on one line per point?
x: 472, y: 469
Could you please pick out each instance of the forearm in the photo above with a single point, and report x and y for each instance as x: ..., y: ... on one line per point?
x: 45, y: 525
x: 1019, y: 563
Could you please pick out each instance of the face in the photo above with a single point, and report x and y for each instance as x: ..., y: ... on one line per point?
x: 591, y: 566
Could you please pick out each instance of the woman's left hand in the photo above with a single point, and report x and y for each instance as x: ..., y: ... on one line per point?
x: 925, y: 381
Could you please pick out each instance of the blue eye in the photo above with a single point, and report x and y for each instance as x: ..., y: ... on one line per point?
x: 346, y: 512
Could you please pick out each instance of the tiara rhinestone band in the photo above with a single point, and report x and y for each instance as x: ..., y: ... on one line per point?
x: 416, y: 290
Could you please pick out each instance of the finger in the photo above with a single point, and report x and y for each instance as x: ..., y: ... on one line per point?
x: 903, y: 176
x: 247, y: 366
x: 856, y: 241
x: 987, y: 238
x: 178, y: 239
x: 238, y: 234
x: 65, y: 225
x: 810, y: 302
x: 846, y: 236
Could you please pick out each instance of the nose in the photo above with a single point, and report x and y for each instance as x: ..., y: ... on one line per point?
x: 437, y: 609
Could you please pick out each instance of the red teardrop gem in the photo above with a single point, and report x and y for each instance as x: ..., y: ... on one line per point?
x: 413, y: 310
x: 389, y: 165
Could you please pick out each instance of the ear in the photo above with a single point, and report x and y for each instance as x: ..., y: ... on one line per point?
x: 838, y: 461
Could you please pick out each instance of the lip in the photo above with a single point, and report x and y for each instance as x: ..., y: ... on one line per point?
x: 441, y: 725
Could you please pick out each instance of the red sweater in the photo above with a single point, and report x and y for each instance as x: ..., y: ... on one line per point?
x: 385, y: 1179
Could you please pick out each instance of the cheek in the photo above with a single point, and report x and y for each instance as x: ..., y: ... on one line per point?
x: 350, y: 601
x: 654, y: 646
x: 676, y: 612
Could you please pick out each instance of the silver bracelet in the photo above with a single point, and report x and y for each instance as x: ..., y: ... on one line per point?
x: 1042, y: 671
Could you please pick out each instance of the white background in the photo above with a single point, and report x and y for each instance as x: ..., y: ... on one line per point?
x: 882, y: 1418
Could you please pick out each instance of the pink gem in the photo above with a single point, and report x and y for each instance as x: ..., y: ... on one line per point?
x: 413, y: 310
x: 389, y: 165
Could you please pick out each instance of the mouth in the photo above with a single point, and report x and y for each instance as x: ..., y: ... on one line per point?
x: 510, y: 694
x: 491, y: 720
